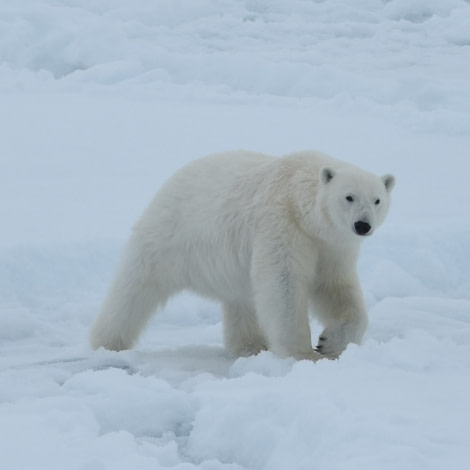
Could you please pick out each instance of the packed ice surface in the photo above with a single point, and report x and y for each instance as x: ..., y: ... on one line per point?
x: 102, y: 101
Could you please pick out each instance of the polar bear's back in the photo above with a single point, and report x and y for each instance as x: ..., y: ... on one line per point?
x: 199, y: 188
x: 217, y: 172
x: 195, y: 194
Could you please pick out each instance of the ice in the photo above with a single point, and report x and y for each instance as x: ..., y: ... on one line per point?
x: 100, y: 102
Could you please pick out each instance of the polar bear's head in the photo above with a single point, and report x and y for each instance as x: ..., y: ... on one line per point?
x: 355, y: 201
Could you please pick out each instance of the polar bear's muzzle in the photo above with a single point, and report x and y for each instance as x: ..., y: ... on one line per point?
x: 362, y: 228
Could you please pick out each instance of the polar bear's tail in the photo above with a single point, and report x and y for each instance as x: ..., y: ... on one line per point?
x: 132, y: 298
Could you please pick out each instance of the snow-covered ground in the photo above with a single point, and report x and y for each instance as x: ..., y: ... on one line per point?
x: 101, y: 101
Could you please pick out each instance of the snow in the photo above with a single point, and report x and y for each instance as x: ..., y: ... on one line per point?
x: 102, y: 101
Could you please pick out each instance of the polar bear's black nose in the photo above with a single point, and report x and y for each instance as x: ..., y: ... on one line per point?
x: 362, y: 228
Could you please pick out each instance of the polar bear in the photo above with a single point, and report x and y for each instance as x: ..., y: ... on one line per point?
x: 270, y: 238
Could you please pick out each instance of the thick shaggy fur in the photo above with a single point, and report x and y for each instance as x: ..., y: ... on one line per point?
x: 270, y: 238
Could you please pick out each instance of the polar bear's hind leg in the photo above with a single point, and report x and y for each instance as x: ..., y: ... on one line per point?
x: 135, y: 293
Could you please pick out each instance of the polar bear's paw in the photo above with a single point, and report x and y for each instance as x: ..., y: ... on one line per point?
x: 331, y: 343
x: 335, y: 339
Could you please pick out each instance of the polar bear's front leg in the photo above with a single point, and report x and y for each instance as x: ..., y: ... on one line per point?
x: 283, y: 319
x: 281, y: 303
x: 341, y: 310
x: 242, y: 335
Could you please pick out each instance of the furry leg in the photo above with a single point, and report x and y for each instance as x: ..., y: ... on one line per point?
x: 242, y: 335
x: 132, y: 298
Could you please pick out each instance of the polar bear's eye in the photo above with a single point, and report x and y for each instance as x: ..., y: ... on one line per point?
x: 377, y: 202
x: 349, y: 198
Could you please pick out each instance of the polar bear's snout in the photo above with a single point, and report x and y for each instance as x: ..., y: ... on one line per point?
x: 362, y: 228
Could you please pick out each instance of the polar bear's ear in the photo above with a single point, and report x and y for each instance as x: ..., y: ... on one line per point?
x: 326, y: 174
x: 389, y: 182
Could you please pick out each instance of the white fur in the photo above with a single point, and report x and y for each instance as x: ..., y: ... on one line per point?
x: 268, y: 237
